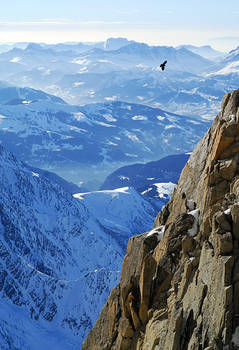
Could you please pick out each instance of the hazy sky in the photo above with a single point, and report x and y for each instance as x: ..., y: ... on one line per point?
x: 159, y: 22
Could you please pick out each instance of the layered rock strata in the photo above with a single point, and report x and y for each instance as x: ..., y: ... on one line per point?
x: 179, y: 286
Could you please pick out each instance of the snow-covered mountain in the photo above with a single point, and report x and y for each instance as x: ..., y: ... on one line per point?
x: 59, y: 258
x: 121, y: 210
x: 85, y: 143
x: 227, y: 68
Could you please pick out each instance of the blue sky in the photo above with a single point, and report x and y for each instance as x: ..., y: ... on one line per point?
x: 158, y: 22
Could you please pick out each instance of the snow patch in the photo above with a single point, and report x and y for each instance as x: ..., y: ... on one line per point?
x: 169, y: 127
x: 232, y: 118
x: 165, y: 189
x: 194, y: 122
x: 139, y: 117
x: 105, y: 124
x: 35, y: 174
x: 82, y: 61
x: 15, y: 59
x: 159, y: 117
x: 131, y: 155
x: 159, y: 230
x: 109, y: 118
x: 228, y: 211
x: 194, y: 230
x: 79, y: 116
x: 121, y: 177
x: 104, y: 61
x: 111, y: 98
x: 78, y: 83
x: 132, y: 137
x: 110, y: 143
x: 113, y: 193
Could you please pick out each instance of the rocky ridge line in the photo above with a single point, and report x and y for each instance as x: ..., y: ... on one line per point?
x: 179, y: 286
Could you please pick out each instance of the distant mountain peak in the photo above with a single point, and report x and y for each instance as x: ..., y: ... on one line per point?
x: 33, y: 46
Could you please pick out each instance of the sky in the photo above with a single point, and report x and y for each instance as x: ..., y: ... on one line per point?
x: 156, y: 22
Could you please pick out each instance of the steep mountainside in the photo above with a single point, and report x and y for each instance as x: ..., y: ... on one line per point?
x: 58, y: 258
x: 179, y: 283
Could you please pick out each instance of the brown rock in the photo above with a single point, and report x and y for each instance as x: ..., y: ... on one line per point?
x: 217, y: 193
x: 221, y: 220
x: 187, y: 244
x: 228, y: 169
x: 223, y: 144
x: 224, y: 244
x: 145, y: 282
x: 235, y: 221
x: 125, y: 328
x: 183, y: 223
x: 229, y: 151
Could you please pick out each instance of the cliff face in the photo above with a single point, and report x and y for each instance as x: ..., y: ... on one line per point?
x: 179, y: 285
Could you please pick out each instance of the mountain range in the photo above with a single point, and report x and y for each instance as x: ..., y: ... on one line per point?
x: 123, y: 70
x: 84, y: 144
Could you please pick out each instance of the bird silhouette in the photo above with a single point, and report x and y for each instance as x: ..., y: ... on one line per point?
x: 162, y: 66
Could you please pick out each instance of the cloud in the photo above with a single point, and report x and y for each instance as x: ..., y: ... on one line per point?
x: 58, y: 22
x: 225, y: 38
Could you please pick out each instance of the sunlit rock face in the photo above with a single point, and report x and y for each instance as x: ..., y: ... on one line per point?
x: 179, y: 282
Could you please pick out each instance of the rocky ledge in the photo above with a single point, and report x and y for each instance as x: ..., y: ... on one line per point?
x: 179, y: 286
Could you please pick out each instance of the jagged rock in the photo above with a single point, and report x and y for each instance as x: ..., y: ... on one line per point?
x: 185, y: 287
x: 221, y: 220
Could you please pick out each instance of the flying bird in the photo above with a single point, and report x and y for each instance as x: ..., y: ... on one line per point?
x: 162, y: 66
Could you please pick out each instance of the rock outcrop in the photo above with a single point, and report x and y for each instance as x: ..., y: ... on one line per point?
x: 179, y: 285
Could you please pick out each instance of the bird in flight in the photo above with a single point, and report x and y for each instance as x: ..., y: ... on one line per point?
x: 162, y: 66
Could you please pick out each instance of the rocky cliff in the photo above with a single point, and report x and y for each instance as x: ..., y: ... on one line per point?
x: 179, y: 286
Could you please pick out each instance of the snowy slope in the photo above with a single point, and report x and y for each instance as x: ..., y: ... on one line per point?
x: 227, y: 68
x: 120, y: 209
x: 59, y: 258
